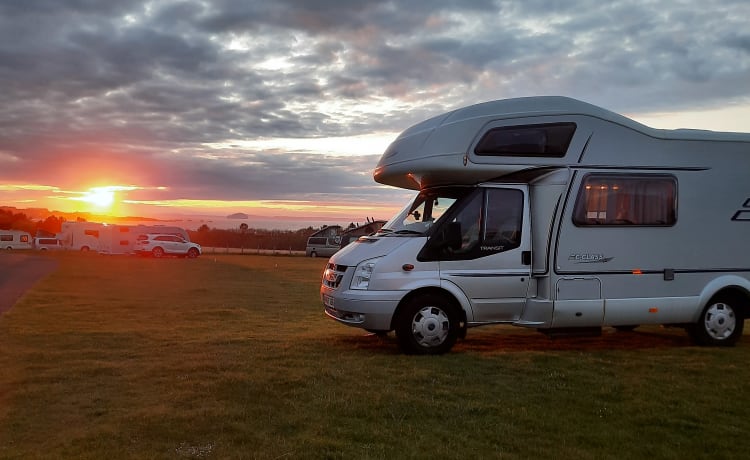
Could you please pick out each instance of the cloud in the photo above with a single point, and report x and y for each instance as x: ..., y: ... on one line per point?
x: 143, y: 92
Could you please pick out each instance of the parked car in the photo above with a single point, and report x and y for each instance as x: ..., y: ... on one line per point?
x: 44, y: 244
x: 160, y: 244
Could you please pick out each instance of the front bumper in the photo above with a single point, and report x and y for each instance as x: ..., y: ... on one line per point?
x: 371, y: 310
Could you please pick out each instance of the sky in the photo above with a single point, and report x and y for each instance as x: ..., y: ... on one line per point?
x: 283, y: 108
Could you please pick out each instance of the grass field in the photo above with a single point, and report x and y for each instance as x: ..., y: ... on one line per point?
x: 230, y: 356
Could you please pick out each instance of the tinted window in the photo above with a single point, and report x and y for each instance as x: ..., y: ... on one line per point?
x: 490, y: 222
x: 6, y: 237
x: 545, y: 140
x: 607, y: 199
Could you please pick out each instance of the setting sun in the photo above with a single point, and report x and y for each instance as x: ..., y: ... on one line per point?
x: 101, y: 197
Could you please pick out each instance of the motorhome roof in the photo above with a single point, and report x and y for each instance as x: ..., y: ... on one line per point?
x: 440, y: 150
x: 560, y: 105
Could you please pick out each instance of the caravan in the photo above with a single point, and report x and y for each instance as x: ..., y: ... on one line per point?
x: 554, y: 214
x: 15, y: 239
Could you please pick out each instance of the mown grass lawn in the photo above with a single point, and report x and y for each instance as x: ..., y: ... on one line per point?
x: 231, y: 357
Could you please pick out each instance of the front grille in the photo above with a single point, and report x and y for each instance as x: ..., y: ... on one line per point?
x: 333, y: 275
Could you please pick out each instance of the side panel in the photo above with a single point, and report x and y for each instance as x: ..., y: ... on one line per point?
x: 657, y: 274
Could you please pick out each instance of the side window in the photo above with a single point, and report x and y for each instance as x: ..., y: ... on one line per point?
x: 503, y: 220
x: 6, y: 237
x: 24, y: 238
x: 544, y: 140
x: 491, y: 222
x: 469, y: 218
x: 619, y: 199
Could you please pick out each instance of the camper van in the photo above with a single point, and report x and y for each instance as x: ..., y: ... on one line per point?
x: 325, y: 242
x: 15, y: 239
x: 554, y: 214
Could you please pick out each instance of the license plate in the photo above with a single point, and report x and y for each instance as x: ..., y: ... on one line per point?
x: 328, y: 301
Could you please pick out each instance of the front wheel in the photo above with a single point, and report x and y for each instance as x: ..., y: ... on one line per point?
x: 428, y: 325
x: 720, y: 323
x: 192, y: 253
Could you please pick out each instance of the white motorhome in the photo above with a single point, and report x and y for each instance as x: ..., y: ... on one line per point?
x: 15, y: 239
x: 551, y: 213
x: 81, y: 236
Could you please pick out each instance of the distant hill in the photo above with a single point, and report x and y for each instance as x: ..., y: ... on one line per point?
x: 238, y: 215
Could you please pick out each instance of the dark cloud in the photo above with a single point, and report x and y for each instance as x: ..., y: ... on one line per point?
x: 160, y: 84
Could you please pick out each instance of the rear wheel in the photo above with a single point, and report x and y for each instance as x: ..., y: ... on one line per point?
x: 313, y: 254
x: 157, y: 252
x: 427, y: 325
x: 720, y: 323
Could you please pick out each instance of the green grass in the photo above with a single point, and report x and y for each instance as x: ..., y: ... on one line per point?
x: 231, y: 357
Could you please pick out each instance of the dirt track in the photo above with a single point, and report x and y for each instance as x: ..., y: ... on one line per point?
x: 18, y: 273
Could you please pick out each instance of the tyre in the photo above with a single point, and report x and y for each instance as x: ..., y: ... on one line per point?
x: 720, y: 323
x: 313, y: 254
x: 427, y: 325
x: 192, y: 253
x: 157, y: 252
x: 84, y: 249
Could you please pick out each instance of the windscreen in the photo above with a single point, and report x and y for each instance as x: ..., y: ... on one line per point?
x: 418, y: 216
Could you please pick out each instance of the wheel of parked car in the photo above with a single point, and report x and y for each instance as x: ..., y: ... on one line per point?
x: 428, y: 325
x: 192, y: 253
x: 720, y: 324
x: 313, y: 254
x: 157, y: 252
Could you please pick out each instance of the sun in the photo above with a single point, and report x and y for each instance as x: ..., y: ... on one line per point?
x: 101, y: 197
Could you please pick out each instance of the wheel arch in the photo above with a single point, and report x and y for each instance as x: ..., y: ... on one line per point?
x: 734, y: 287
x: 435, y: 290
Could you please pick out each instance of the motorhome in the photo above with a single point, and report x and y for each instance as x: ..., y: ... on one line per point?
x: 554, y: 214
x: 81, y: 236
x: 15, y: 239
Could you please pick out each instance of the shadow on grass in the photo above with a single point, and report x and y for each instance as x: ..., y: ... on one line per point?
x: 504, y: 339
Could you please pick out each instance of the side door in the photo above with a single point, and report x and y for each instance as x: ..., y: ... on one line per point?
x: 493, y: 265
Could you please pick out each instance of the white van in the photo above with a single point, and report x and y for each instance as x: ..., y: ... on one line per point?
x: 325, y: 242
x: 45, y: 244
x: 15, y: 239
x: 554, y: 214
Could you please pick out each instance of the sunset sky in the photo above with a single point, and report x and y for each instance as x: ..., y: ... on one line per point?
x: 283, y: 108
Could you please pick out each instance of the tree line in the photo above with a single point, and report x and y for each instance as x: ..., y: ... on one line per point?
x: 10, y: 220
x: 251, y: 238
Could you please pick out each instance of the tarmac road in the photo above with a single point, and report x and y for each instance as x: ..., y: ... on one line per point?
x: 18, y: 273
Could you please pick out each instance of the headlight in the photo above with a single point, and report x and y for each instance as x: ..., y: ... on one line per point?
x: 362, y: 274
